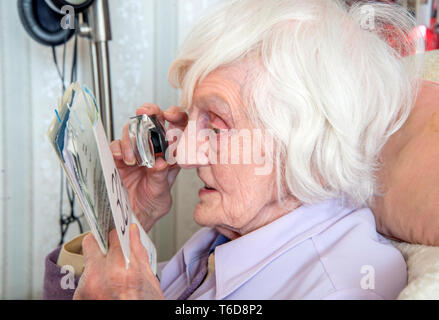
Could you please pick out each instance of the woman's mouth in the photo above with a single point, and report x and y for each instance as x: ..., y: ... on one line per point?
x: 206, y: 190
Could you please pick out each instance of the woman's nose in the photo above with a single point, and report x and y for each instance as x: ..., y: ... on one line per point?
x: 189, y: 154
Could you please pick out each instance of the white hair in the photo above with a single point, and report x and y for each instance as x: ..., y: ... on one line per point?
x: 329, y: 82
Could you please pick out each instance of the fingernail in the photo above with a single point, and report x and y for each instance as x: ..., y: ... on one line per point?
x: 129, y: 160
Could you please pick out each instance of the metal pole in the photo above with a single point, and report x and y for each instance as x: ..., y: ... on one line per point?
x: 100, y: 34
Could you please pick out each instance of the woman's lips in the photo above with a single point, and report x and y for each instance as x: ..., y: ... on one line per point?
x: 206, y: 190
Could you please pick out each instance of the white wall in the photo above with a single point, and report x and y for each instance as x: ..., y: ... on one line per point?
x: 146, y: 34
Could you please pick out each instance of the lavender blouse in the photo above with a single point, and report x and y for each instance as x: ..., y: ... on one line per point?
x: 322, y: 251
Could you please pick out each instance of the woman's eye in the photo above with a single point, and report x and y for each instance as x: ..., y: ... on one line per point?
x: 216, y: 123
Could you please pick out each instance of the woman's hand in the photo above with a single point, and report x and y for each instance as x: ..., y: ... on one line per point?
x: 148, y: 188
x: 106, y: 277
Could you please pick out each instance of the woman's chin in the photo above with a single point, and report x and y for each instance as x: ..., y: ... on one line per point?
x: 198, y: 214
x: 204, y: 215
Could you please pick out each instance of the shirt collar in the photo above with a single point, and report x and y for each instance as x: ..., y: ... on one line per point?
x: 220, y: 239
x: 238, y: 260
x: 202, y: 244
x: 195, y: 248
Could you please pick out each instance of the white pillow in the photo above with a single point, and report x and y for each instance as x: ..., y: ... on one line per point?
x: 423, y: 271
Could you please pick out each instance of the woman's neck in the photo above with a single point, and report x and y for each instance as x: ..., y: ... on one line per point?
x: 269, y: 213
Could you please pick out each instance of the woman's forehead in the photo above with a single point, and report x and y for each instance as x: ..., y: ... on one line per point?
x: 223, y: 85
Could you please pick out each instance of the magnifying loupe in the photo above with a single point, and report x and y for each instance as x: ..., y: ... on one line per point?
x: 148, y: 139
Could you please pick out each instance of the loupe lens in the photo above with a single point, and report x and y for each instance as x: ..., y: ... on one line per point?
x: 148, y: 139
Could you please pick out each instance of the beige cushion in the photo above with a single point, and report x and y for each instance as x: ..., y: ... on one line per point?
x: 409, y: 207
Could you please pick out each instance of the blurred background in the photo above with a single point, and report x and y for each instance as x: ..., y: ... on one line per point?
x: 33, y: 197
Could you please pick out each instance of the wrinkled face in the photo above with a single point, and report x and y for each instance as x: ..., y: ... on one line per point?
x: 235, y: 199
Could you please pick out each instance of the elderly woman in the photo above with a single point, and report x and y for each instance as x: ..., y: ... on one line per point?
x: 321, y: 81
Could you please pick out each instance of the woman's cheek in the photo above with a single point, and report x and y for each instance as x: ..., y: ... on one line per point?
x: 230, y: 193
x: 221, y: 146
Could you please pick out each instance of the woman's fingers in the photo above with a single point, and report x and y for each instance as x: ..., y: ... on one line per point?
x: 90, y: 248
x: 149, y: 188
x: 173, y: 172
x: 127, y: 150
x: 136, y: 245
x: 176, y: 116
x: 114, y: 247
x: 158, y: 175
x: 116, y: 149
x: 150, y: 109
